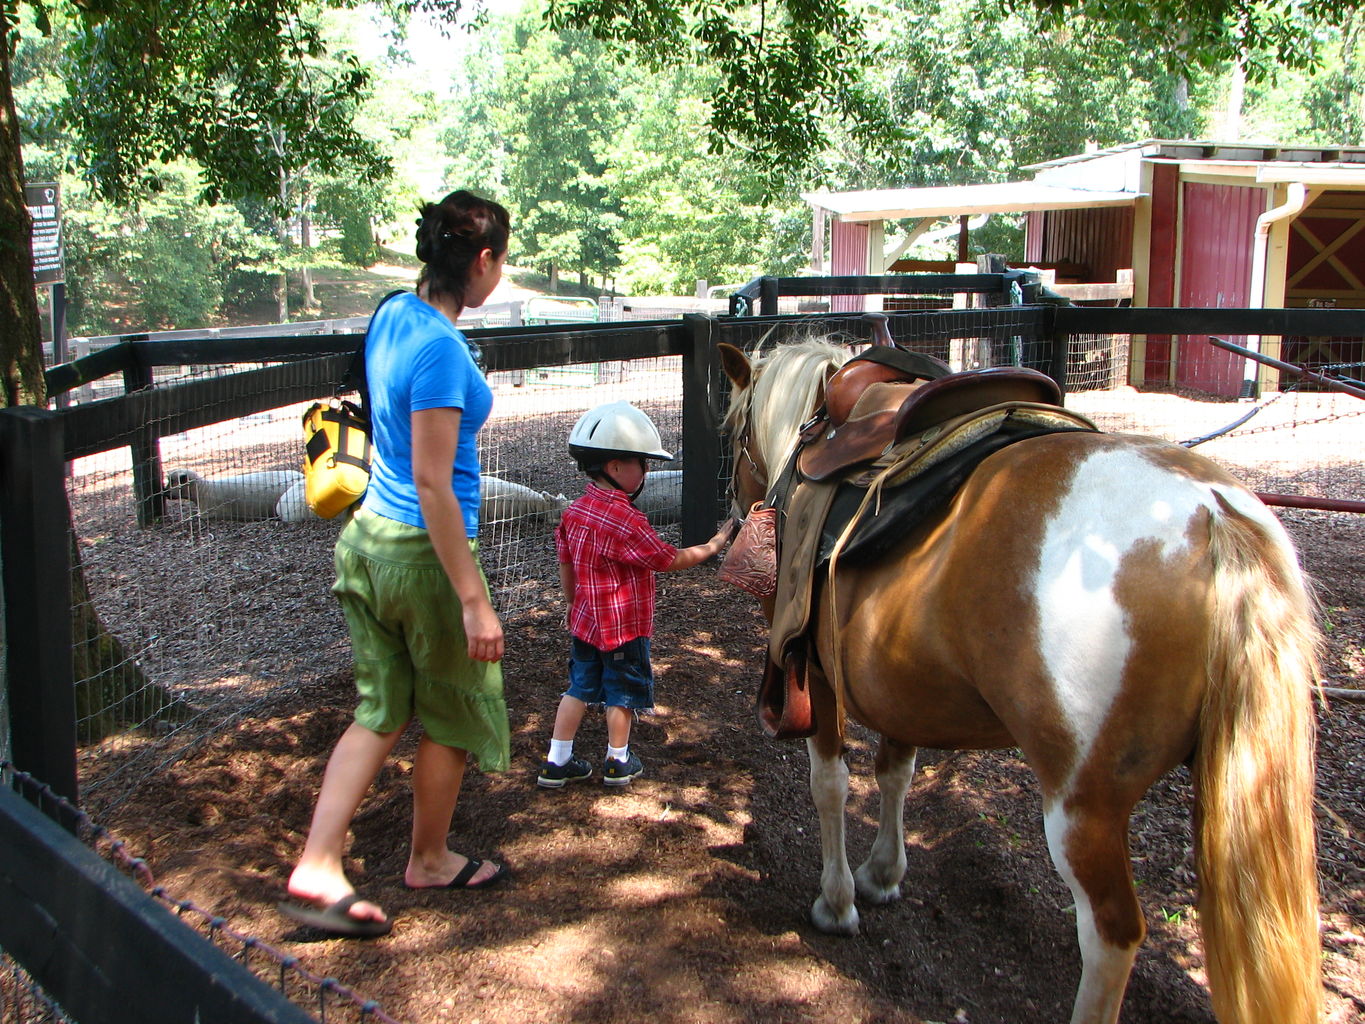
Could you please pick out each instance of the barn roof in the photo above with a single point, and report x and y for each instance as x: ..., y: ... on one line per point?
x: 1191, y: 149
x: 1102, y: 177
x: 962, y: 200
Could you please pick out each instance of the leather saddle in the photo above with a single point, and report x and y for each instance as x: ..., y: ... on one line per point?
x: 885, y: 412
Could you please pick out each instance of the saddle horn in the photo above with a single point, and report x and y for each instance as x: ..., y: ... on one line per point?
x: 881, y: 334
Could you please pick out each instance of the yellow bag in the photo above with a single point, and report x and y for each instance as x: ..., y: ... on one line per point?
x: 336, y: 468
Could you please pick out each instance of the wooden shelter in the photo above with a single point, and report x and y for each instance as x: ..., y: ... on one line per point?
x: 1202, y: 224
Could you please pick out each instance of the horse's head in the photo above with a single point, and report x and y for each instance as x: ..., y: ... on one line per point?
x: 772, y: 396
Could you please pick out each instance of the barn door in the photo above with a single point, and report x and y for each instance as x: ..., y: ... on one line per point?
x: 1218, y: 230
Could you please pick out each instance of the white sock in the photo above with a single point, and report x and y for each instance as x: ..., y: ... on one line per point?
x: 560, y: 751
x: 617, y: 753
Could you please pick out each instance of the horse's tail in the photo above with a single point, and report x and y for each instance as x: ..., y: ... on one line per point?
x: 1253, y: 776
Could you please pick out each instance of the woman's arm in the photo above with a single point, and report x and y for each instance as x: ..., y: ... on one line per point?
x: 435, y: 435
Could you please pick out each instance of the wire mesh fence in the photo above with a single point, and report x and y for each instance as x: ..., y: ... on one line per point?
x: 213, y: 610
x: 24, y: 1001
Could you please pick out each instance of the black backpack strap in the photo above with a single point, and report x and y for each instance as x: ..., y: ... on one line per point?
x: 356, y: 371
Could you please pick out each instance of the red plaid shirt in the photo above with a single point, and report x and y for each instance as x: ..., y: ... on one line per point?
x: 615, y: 554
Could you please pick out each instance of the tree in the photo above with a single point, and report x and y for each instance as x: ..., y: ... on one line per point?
x: 154, y: 80
x: 689, y: 213
x: 1012, y: 97
x: 158, y: 79
x: 556, y: 113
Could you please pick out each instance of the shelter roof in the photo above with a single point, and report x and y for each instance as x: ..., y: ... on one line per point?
x: 1191, y: 149
x: 962, y: 200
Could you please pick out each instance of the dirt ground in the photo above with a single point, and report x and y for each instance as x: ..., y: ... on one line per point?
x: 683, y: 897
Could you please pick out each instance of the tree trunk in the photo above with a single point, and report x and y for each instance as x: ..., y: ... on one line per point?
x: 21, y: 352
x: 101, y: 664
x: 282, y: 298
x: 282, y: 236
x: 1232, y: 116
x: 310, y: 300
x: 112, y: 692
x: 554, y: 279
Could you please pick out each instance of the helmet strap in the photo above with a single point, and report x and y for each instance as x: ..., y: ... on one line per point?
x: 602, y: 472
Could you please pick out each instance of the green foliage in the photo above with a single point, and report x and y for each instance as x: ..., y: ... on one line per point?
x: 242, y: 87
x: 689, y: 213
x: 656, y: 141
x: 168, y: 262
x: 352, y: 206
x: 1009, y: 97
x: 557, y: 109
x: 1208, y: 34
x: 783, y: 71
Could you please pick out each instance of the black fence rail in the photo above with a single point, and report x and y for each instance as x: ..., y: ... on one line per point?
x: 1011, y: 287
x: 100, y: 947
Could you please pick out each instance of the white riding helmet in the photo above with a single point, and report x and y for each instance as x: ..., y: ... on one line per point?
x: 614, y: 431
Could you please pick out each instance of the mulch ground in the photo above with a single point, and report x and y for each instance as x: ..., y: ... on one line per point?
x: 683, y: 897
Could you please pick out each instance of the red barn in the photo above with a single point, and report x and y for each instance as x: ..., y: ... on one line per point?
x: 1197, y: 223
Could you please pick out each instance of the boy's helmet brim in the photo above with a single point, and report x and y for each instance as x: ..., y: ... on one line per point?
x: 596, y: 458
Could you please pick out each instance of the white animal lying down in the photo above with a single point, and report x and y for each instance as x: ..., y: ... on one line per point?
x: 661, y: 498
x: 279, y: 493
x: 240, y: 496
x: 501, y: 500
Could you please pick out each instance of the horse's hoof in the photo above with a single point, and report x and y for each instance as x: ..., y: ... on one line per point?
x: 877, y: 895
x: 834, y: 924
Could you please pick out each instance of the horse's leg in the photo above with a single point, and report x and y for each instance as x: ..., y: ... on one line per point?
x: 1089, y: 846
x: 878, y: 879
x: 833, y: 910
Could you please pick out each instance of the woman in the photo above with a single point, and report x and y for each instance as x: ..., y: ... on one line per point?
x: 424, y: 635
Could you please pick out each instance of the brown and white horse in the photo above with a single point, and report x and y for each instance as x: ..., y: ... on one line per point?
x: 1112, y: 605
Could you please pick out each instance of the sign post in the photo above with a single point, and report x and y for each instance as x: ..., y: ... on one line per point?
x: 44, y: 202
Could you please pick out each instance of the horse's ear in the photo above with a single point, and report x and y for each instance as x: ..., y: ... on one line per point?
x: 824, y: 386
x: 735, y: 364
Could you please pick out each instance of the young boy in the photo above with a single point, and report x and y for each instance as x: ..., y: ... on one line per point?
x: 608, y: 555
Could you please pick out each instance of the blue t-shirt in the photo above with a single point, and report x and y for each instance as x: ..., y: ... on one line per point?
x: 415, y: 359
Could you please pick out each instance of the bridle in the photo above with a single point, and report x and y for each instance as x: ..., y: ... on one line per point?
x: 757, y: 471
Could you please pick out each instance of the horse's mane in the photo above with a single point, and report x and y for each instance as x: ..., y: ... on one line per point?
x: 786, y: 383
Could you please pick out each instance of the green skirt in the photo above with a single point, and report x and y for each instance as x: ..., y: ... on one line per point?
x: 408, y: 641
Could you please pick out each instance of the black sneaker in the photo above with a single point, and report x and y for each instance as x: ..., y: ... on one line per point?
x: 619, y: 773
x: 553, y: 776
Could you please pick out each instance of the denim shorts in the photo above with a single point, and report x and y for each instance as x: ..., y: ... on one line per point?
x: 621, y: 678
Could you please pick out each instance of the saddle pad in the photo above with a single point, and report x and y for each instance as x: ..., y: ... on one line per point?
x: 906, y: 505
x: 799, y: 550
x: 917, y: 478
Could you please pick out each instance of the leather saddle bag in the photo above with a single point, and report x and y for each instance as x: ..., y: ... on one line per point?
x: 751, y: 561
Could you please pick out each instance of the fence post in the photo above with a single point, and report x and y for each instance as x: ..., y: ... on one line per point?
x: 767, y: 296
x: 146, y: 453
x: 36, y: 555
x: 1061, y: 349
x: 701, y: 486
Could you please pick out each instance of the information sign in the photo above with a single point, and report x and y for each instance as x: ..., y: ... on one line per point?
x: 45, y: 207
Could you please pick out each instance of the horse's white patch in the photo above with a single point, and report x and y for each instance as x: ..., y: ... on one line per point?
x: 1104, y: 967
x: 1118, y: 498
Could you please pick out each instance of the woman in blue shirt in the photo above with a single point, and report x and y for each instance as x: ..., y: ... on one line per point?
x: 426, y: 641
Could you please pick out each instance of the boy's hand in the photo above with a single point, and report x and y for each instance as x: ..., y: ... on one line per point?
x: 724, y: 535
x: 728, y: 530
